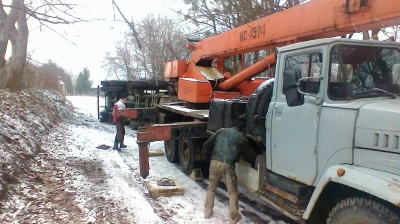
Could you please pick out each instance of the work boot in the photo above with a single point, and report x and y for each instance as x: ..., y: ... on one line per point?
x: 208, y: 214
x: 115, y: 147
x: 236, y: 218
x: 121, y: 145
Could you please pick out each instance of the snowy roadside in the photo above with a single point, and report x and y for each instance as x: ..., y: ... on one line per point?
x: 74, y: 182
x: 124, y: 179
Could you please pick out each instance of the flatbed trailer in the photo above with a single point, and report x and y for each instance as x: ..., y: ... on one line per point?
x: 181, y: 109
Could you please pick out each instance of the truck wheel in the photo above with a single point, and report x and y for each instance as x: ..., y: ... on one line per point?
x: 107, y: 83
x: 361, y: 210
x: 186, y: 151
x: 117, y: 89
x: 118, y: 83
x: 110, y: 118
x: 140, y: 84
x: 257, y: 107
x: 171, y: 90
x: 135, y: 124
x: 172, y: 150
x: 157, y: 83
x: 103, y: 116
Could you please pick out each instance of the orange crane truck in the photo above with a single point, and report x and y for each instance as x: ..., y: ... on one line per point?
x: 324, y: 126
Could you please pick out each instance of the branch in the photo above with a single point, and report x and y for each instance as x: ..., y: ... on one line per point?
x: 48, y: 18
x: 131, y: 25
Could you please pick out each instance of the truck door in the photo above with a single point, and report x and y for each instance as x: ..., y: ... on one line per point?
x: 294, y: 128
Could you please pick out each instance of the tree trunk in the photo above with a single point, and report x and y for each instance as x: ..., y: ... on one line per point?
x: 7, y: 32
x: 19, y: 51
x: 8, y: 26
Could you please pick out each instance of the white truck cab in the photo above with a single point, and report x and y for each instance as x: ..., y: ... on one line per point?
x: 334, y: 123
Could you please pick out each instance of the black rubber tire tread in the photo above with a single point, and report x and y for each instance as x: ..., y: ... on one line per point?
x: 357, y: 210
x: 116, y: 89
x: 103, y: 116
x: 107, y: 83
x: 186, y: 155
x: 258, y: 106
x: 136, y: 123
x: 172, y: 150
x: 118, y: 83
x: 171, y: 90
x: 110, y: 118
x: 140, y: 84
x: 129, y: 88
x: 158, y: 83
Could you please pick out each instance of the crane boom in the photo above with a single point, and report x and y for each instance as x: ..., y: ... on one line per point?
x: 311, y: 20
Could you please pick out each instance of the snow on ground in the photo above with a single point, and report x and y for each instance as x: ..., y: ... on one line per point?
x: 68, y: 180
x: 178, y: 209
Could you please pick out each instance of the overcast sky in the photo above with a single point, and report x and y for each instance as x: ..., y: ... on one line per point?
x: 85, y: 44
x: 88, y: 42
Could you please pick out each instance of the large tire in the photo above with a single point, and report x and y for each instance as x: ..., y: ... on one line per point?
x: 105, y: 83
x: 118, y: 83
x: 103, y: 116
x: 186, y: 152
x: 158, y: 83
x: 116, y: 89
x: 256, y: 110
x: 140, y: 84
x: 110, y: 118
x: 113, y: 83
x: 171, y: 90
x: 358, y: 210
x: 172, y: 150
x: 136, y: 123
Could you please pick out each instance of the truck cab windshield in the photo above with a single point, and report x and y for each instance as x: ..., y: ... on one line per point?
x: 363, y: 72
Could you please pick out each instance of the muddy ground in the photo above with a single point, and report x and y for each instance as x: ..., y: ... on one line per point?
x: 51, y: 172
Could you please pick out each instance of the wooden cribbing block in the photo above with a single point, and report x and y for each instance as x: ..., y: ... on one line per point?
x: 156, y: 191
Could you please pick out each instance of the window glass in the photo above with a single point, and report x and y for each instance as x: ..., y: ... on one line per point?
x: 237, y: 63
x: 363, y: 72
x: 309, y: 65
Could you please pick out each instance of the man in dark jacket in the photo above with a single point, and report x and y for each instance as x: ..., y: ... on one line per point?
x: 226, y: 145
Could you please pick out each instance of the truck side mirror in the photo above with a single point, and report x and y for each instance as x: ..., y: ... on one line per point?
x: 309, y: 85
x: 293, y: 96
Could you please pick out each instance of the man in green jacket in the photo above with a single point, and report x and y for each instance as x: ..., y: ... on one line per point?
x: 226, y: 145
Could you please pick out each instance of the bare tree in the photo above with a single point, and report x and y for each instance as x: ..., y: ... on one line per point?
x: 215, y: 16
x: 161, y: 40
x: 14, y: 29
x: 121, y: 65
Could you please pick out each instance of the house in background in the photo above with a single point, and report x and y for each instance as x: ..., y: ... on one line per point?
x: 61, y: 87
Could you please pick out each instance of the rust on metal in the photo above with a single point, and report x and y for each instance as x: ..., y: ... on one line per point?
x: 352, y: 5
x: 128, y: 113
x: 281, y: 193
x: 165, y: 132
x: 138, y: 113
x: 157, y: 132
x: 144, y: 159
